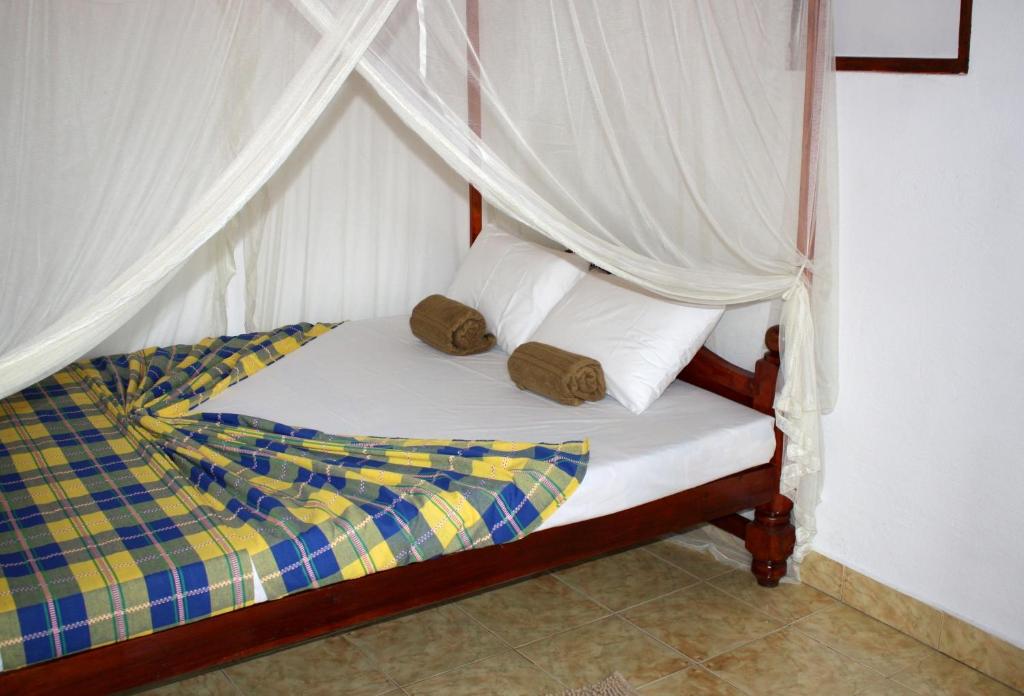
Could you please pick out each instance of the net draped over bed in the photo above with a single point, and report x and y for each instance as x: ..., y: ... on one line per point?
x: 121, y: 513
x: 662, y: 140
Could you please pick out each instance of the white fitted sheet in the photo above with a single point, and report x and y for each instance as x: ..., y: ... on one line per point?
x: 373, y: 377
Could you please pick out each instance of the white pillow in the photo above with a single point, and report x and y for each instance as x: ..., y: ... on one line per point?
x: 514, y: 283
x: 641, y: 340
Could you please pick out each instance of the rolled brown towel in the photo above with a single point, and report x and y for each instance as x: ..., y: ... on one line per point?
x: 562, y: 376
x: 450, y: 326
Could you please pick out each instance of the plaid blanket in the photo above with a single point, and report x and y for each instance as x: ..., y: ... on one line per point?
x: 121, y: 513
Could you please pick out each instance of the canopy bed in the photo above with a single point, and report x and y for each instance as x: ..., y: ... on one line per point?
x: 721, y: 440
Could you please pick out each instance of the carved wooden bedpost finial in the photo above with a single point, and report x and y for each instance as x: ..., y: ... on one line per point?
x: 770, y: 539
x: 771, y: 342
x: 766, y: 373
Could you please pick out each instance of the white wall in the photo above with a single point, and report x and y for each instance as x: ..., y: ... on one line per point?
x: 924, y: 484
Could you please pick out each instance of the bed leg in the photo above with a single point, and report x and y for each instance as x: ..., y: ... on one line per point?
x: 770, y: 539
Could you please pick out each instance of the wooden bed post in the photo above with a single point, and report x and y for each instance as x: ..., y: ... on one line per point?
x: 771, y: 537
x: 809, y: 145
x: 476, y: 214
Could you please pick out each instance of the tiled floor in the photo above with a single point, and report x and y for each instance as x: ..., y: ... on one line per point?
x: 671, y: 620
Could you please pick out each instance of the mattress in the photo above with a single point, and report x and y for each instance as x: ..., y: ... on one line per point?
x: 373, y: 377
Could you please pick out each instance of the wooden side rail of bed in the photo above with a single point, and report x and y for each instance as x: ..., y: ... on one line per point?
x: 220, y: 640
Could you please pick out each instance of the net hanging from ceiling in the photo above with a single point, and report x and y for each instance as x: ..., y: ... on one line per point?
x: 686, y: 146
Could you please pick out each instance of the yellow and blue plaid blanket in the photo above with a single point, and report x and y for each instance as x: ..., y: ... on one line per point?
x: 121, y: 513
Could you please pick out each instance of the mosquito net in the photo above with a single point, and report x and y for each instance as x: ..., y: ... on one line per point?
x: 685, y: 145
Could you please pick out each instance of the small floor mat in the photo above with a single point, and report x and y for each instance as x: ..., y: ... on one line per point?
x: 614, y: 685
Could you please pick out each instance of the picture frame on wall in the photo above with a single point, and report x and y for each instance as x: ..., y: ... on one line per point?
x: 907, y: 36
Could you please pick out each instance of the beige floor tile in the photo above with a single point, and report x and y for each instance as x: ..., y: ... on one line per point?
x: 913, y: 617
x: 626, y: 578
x: 982, y: 651
x: 590, y: 653
x: 532, y: 609
x: 787, y: 602
x: 209, y: 684
x: 870, y: 642
x: 694, y: 681
x: 320, y: 667
x: 938, y: 675
x: 702, y: 565
x: 426, y: 643
x: 788, y: 662
x: 505, y: 674
x: 822, y: 573
x: 701, y: 621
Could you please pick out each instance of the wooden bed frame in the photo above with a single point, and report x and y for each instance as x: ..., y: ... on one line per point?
x: 220, y: 640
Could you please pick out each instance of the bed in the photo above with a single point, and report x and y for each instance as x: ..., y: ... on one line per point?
x: 706, y: 450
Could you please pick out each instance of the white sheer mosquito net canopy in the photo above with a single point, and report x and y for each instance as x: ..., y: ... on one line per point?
x: 686, y: 145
